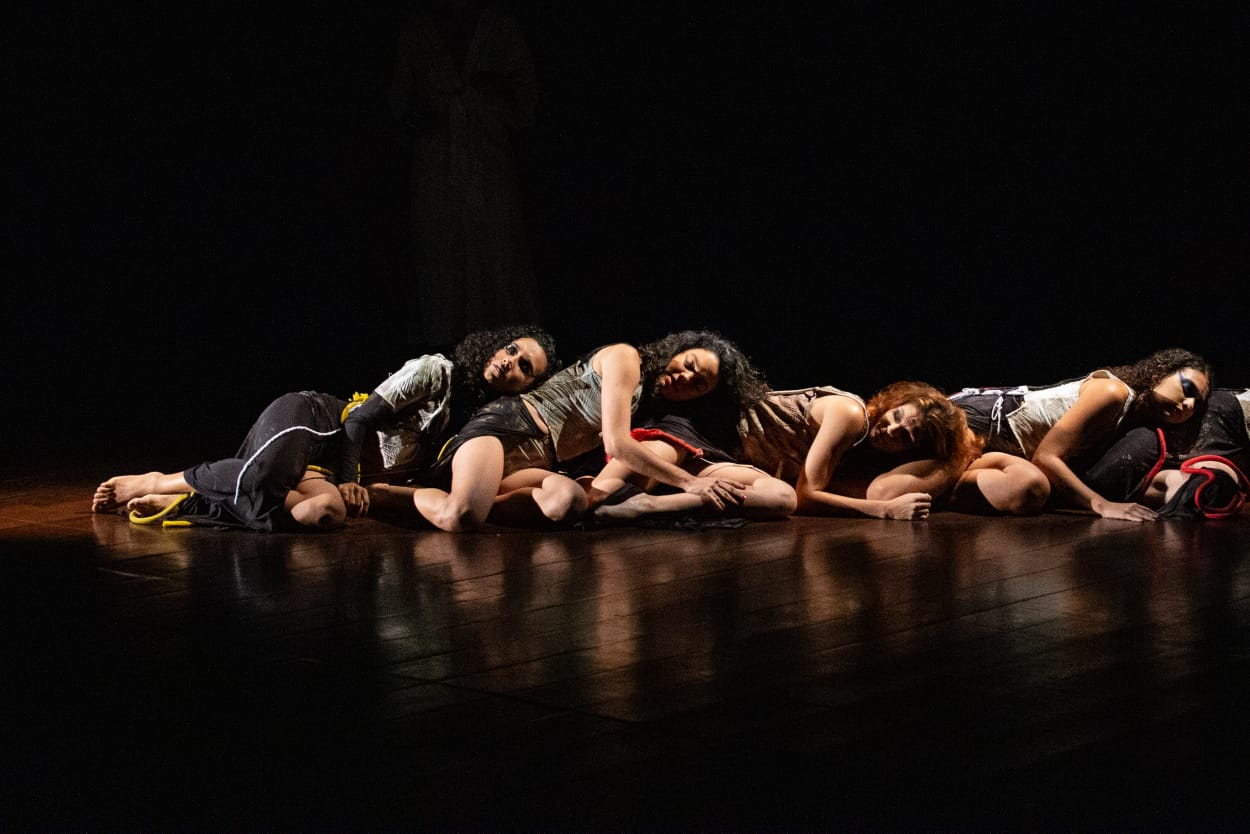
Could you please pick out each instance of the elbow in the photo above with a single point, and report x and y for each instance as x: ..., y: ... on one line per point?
x: 1047, y: 464
x: 805, y: 502
x: 615, y: 447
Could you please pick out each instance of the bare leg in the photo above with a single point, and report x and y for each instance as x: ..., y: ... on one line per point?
x: 391, y: 501
x: 113, y: 495
x: 316, y: 503
x: 615, y: 474
x: 476, y: 473
x: 999, y: 483
x: 537, y: 498
x: 765, y: 498
x: 645, y: 504
x: 1163, y: 487
x: 1166, y: 483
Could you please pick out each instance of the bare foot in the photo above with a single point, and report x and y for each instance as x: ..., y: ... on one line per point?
x: 113, y: 495
x: 146, y: 505
x: 626, y: 511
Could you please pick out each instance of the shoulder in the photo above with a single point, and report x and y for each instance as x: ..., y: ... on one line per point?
x: 838, y: 413
x: 618, y: 354
x: 838, y: 406
x: 1102, y: 387
x: 429, y: 363
x: 433, y: 368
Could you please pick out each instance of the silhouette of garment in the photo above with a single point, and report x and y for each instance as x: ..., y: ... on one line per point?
x: 463, y: 97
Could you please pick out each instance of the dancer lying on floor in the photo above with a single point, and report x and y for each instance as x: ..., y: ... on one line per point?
x: 703, y: 442
x: 513, y: 463
x: 298, y: 466
x: 1039, y: 441
x: 892, y: 457
x: 1192, y: 469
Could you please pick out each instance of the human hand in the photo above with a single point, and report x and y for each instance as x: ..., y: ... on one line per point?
x: 912, y: 506
x: 356, y: 498
x: 717, y: 492
x: 1124, y: 511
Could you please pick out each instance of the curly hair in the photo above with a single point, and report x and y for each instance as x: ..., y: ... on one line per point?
x: 469, y: 389
x: 740, y: 384
x: 943, y: 432
x: 1146, y: 373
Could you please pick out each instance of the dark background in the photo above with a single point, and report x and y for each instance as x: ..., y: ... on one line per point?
x: 211, y: 200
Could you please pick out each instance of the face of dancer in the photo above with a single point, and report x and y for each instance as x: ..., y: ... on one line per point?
x: 1177, y: 396
x: 897, y: 430
x: 689, y: 375
x: 515, y: 365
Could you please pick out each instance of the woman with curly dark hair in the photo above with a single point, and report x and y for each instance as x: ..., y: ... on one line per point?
x: 512, y: 461
x: 416, y: 409
x: 298, y: 468
x: 1044, y: 440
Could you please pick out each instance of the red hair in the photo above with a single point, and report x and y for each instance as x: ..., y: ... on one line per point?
x: 943, y: 433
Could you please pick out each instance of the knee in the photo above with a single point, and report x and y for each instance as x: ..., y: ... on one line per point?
x: 321, y: 512
x: 1030, y: 494
x: 457, y: 516
x: 561, y: 498
x: 779, y: 498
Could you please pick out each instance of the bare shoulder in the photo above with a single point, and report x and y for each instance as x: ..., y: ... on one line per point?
x: 838, y: 410
x: 620, y: 355
x: 1101, y: 391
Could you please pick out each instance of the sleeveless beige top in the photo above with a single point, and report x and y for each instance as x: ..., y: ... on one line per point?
x: 778, y: 431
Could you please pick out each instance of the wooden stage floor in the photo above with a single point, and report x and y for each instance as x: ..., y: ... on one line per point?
x: 1053, y: 673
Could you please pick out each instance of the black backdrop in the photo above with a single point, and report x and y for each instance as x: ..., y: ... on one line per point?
x: 210, y: 199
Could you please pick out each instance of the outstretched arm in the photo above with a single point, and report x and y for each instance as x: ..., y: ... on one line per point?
x: 1094, y: 415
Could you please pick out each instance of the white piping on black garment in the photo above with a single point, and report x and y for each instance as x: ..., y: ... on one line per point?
x: 238, y: 484
x: 996, y: 411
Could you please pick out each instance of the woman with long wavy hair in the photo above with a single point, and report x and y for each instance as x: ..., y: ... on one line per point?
x: 515, y: 461
x: 1042, y: 443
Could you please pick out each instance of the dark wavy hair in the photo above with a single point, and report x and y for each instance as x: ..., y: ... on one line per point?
x: 943, y: 432
x: 469, y: 390
x: 1144, y: 374
x: 740, y: 383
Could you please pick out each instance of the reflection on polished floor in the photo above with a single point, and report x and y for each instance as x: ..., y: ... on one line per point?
x: 1061, y: 672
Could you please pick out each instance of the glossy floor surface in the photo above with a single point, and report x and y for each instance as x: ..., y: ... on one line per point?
x: 1059, y: 672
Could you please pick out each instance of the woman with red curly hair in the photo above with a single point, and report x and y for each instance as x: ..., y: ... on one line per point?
x: 892, y: 457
